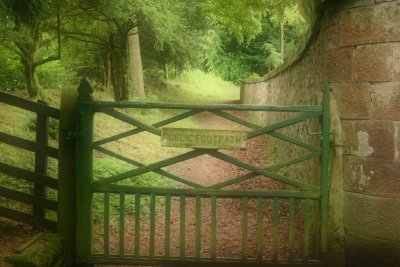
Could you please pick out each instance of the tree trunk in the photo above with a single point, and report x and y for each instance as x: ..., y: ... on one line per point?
x: 135, y: 62
x: 282, y: 24
x: 120, y: 67
x: 177, y: 68
x: 32, y: 82
x: 107, y: 71
x: 166, y: 71
x: 28, y: 52
x: 114, y: 75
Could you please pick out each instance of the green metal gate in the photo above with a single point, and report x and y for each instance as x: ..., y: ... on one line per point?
x: 305, y: 195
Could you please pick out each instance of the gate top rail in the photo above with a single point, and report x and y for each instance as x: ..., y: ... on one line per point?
x: 29, y: 105
x: 101, y: 105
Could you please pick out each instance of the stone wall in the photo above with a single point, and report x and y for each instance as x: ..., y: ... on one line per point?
x: 357, y: 52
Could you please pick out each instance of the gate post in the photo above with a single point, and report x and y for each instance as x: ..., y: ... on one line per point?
x: 84, y: 173
x: 66, y: 169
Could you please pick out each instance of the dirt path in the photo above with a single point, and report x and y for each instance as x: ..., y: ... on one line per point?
x: 207, y: 171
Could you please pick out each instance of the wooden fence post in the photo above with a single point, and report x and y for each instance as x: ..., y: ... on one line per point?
x: 42, y: 137
x: 66, y: 168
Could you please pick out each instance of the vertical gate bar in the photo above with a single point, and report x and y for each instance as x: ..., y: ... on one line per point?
x: 84, y: 174
x: 121, y: 224
x: 275, y: 229
x: 291, y: 228
x: 306, y: 245
x: 106, y: 224
x: 198, y: 226
x: 324, y: 171
x: 213, y: 227
x: 182, y: 226
x: 244, y: 227
x: 152, y: 223
x: 167, y: 226
x: 137, y: 225
x: 260, y: 228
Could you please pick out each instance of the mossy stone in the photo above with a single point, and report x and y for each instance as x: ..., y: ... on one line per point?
x: 41, y: 253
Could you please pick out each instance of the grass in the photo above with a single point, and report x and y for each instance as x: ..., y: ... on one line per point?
x: 196, y: 87
x: 191, y: 87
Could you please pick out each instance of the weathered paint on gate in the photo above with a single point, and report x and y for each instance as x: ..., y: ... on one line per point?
x: 304, y: 194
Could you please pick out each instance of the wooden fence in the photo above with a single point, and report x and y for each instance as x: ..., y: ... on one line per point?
x: 38, y: 179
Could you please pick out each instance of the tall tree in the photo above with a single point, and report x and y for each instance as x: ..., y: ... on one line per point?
x: 184, y: 45
x: 279, y: 7
x: 235, y: 61
x: 119, y: 21
x: 31, y: 19
x: 135, y: 63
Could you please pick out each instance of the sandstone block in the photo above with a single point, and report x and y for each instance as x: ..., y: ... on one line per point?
x: 373, y: 63
x: 396, y: 62
x: 330, y: 37
x: 372, y: 176
x: 374, y: 139
x: 353, y: 99
x: 396, y: 140
x: 339, y: 64
x: 370, y: 24
x: 373, y: 216
x: 386, y: 101
x: 364, y: 251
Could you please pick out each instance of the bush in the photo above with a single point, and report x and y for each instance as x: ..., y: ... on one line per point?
x: 11, y: 72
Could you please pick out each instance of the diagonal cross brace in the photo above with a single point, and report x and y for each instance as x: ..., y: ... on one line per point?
x: 268, y: 168
x: 133, y: 121
x: 159, y: 171
x: 139, y: 130
x: 281, y: 124
x: 259, y: 171
x: 272, y: 133
x: 152, y: 167
x: 234, y: 118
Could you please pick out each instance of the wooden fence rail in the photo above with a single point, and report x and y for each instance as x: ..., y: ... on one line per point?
x: 38, y: 178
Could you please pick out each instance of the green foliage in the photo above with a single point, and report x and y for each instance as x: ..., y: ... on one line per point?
x: 233, y: 39
x: 55, y: 75
x: 53, y: 127
x: 11, y: 72
x: 242, y: 18
x: 235, y: 61
x: 28, y: 34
